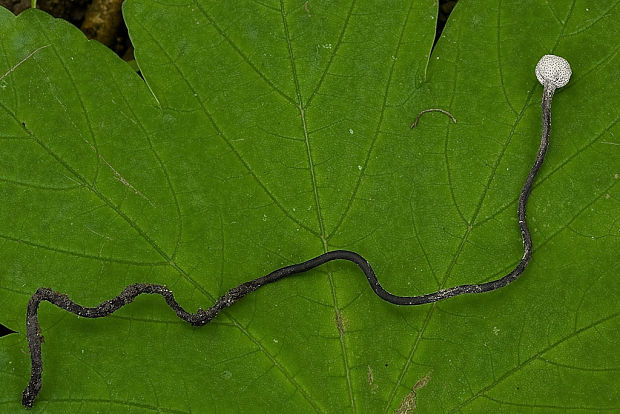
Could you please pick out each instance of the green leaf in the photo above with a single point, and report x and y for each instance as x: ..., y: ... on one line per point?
x: 266, y: 133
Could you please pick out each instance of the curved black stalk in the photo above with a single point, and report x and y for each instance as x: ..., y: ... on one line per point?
x: 202, y: 317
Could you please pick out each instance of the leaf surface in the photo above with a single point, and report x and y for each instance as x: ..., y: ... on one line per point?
x: 267, y: 133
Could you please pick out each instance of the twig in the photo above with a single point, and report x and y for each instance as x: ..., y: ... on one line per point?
x: 22, y: 61
x: 431, y: 110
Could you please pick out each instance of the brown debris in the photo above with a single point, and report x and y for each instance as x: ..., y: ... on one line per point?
x: 103, y: 20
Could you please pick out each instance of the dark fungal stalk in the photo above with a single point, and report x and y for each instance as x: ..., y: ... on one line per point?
x: 552, y: 71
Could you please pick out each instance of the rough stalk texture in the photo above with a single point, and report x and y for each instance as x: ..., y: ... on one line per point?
x: 202, y: 317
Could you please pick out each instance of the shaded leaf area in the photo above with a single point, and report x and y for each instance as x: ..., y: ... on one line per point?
x: 268, y: 134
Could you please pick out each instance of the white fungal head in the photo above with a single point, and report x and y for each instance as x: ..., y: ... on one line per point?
x: 554, y: 70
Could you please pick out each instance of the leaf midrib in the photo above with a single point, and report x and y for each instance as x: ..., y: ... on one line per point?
x: 317, y: 202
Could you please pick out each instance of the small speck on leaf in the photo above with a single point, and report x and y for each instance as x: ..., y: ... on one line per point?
x: 371, y: 381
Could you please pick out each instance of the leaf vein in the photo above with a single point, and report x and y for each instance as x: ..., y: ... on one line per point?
x: 317, y: 204
x: 243, y: 56
x: 533, y: 358
x: 161, y: 165
x: 586, y: 27
x: 79, y: 96
x: 499, y: 58
x: 544, y: 178
x: 377, y: 130
x: 331, y: 58
x: 221, y: 134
